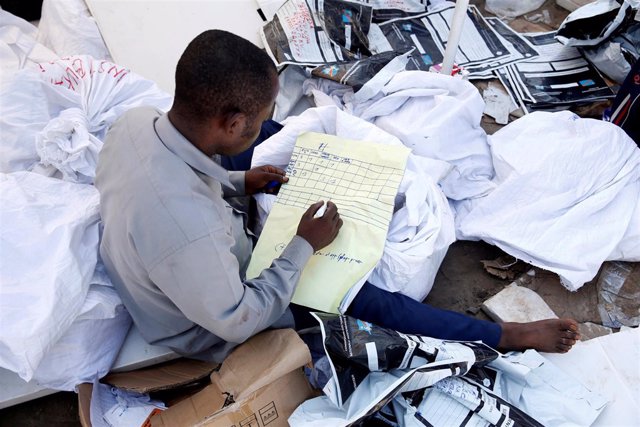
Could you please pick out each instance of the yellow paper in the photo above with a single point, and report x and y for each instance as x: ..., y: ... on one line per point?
x: 362, y: 179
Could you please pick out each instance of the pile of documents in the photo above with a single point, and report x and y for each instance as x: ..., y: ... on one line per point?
x: 558, y: 76
x: 349, y: 42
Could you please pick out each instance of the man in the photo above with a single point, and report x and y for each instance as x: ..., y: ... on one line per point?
x: 177, y: 252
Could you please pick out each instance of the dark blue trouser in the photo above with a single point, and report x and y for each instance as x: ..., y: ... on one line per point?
x: 389, y: 309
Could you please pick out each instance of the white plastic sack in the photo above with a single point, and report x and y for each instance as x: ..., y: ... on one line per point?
x: 18, y: 45
x: 512, y: 8
x: 66, y: 145
x: 67, y: 28
x: 89, y: 347
x: 422, y: 228
x: 567, y: 191
x: 420, y: 233
x: 49, y: 247
x: 629, y: 248
x: 590, y: 34
x: 97, y: 92
x: 438, y: 117
x: 290, y: 100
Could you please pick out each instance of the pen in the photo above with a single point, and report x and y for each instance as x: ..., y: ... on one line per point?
x: 320, y: 212
x: 271, y: 185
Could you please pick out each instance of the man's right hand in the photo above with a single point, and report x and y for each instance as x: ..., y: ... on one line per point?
x: 321, y: 231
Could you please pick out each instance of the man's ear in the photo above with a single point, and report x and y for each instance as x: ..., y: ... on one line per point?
x: 235, y: 124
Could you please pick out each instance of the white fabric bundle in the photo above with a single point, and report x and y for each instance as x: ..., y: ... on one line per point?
x: 421, y: 229
x: 567, y: 195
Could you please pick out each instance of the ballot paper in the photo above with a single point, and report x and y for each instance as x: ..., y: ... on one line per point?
x: 520, y: 49
x: 559, y: 76
x: 428, y: 33
x: 362, y: 179
x: 328, y: 33
x: 442, y: 383
x: 317, y: 32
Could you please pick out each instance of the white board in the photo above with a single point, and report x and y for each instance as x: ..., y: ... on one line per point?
x: 148, y: 36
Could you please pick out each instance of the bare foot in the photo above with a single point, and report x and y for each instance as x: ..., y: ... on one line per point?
x: 550, y: 336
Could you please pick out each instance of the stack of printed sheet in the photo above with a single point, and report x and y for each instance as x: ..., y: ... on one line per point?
x: 349, y: 42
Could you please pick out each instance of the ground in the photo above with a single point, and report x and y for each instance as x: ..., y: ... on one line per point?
x: 462, y: 283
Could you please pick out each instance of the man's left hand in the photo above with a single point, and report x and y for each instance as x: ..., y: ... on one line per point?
x: 266, y: 179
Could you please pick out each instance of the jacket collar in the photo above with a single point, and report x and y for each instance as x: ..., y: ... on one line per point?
x: 183, y: 148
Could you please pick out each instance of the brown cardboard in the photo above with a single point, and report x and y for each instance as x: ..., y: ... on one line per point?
x: 269, y: 406
x: 260, y: 383
x: 260, y: 361
x: 165, y: 376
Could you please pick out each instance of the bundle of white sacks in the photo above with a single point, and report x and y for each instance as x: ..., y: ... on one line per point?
x: 63, y: 322
x: 553, y: 189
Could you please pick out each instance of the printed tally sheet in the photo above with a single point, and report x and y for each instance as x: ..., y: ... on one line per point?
x: 362, y: 179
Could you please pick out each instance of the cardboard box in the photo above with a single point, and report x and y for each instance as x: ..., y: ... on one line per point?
x: 259, y: 384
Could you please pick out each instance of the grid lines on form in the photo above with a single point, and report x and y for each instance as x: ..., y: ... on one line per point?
x: 362, y: 191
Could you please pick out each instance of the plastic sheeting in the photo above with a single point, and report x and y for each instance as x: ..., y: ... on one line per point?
x: 67, y: 28
x: 89, y: 347
x: 49, y: 242
x: 564, y: 201
x: 421, y: 229
x: 593, y: 23
x: 18, y: 45
x: 439, y: 383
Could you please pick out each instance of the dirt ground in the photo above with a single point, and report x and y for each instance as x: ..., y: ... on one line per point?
x: 462, y: 283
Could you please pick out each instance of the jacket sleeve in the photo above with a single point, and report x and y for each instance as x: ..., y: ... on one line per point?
x: 203, y: 281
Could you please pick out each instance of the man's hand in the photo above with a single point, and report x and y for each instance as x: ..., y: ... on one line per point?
x: 321, y: 231
x: 265, y: 179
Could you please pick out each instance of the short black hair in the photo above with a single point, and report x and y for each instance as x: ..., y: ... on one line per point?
x: 221, y: 73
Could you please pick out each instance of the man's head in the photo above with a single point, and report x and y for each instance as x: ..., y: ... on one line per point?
x: 225, y: 88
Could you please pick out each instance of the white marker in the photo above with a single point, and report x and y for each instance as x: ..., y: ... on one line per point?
x: 320, y: 212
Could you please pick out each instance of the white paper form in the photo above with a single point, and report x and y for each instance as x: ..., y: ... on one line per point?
x: 384, y: 10
x: 439, y: 410
x: 362, y: 179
